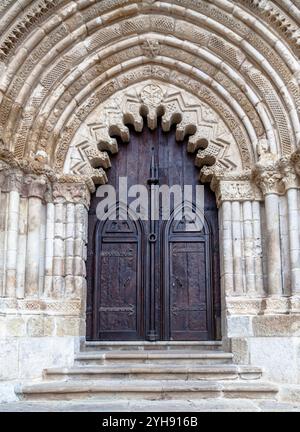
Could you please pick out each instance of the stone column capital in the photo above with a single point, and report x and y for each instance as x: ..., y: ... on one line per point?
x: 71, y: 192
x: 237, y: 190
x: 233, y: 186
x: 35, y: 186
x: 27, y: 184
x: 295, y: 161
x: 11, y: 179
x: 290, y: 179
x: 268, y: 176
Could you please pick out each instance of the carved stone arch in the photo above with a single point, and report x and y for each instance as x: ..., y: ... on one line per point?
x: 207, y: 132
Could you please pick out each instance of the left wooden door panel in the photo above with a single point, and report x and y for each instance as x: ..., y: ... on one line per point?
x: 118, y: 306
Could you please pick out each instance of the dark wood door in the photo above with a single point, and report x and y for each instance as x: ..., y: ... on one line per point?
x: 153, y: 281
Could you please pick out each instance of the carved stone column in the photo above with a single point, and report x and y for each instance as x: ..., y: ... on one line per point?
x: 43, y: 215
x: 36, y: 187
x: 227, y: 279
x: 290, y: 169
x: 267, y: 176
x: 49, y: 248
x: 240, y: 232
x: 11, y: 189
x: 71, y: 202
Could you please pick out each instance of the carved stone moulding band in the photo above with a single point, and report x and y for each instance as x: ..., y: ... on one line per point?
x: 262, y: 305
x: 278, y: 19
x: 229, y: 51
x: 237, y: 305
x: 38, y: 306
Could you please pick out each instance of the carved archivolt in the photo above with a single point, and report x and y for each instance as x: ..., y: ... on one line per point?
x: 279, y: 18
x: 206, y: 131
x: 60, y: 59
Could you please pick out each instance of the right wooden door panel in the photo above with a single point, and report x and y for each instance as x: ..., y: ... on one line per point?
x: 188, y: 300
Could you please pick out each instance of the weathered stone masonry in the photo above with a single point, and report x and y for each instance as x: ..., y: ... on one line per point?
x: 75, y: 73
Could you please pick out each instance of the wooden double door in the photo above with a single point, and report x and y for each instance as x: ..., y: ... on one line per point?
x: 153, y: 280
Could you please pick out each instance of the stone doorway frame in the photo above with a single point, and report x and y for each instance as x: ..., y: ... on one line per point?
x: 247, y: 195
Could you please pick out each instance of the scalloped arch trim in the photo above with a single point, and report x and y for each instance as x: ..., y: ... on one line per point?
x: 208, y: 134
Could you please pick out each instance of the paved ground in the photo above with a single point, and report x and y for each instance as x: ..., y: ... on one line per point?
x: 208, y: 405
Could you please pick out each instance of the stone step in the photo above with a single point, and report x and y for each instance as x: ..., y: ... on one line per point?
x: 146, y: 406
x: 154, y: 371
x: 146, y: 390
x: 152, y: 346
x: 162, y: 357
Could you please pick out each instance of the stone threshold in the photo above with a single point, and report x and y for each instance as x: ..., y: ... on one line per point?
x: 208, y: 405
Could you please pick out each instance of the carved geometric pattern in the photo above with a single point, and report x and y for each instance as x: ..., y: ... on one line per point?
x: 151, y: 48
x: 91, y: 158
x: 207, y: 132
x: 274, y: 102
x: 32, y: 16
x: 278, y: 19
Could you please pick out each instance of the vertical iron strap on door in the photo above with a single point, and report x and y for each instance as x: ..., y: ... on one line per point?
x: 152, y: 238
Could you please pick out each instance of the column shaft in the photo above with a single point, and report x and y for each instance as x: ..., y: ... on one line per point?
x: 33, y: 247
x: 257, y: 235
x: 248, y: 246
x: 294, y: 243
x: 3, y: 239
x: 12, y: 243
x: 59, y: 251
x: 273, y: 244
x: 22, y: 245
x: 69, y: 248
x: 49, y: 248
x: 237, y: 248
x: 226, y: 239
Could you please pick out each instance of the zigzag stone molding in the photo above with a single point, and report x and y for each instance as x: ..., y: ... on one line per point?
x: 208, y: 134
